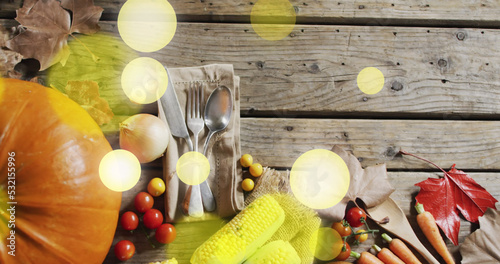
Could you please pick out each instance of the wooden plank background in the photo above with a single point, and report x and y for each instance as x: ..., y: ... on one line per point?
x: 440, y: 100
x: 456, y: 13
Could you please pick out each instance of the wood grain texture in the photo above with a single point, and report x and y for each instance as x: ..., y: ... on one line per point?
x: 366, y: 12
x: 429, y: 73
x: 404, y: 196
x: 278, y: 142
x: 469, y: 144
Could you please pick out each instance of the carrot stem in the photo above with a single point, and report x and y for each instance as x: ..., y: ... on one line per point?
x: 387, y: 238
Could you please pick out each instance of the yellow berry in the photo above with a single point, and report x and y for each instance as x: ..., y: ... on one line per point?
x: 362, y: 238
x: 256, y: 169
x: 156, y: 187
x: 247, y: 184
x: 246, y: 160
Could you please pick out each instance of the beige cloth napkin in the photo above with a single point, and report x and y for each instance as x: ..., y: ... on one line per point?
x: 224, y: 147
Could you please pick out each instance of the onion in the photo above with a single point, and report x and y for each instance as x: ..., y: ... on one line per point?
x: 145, y: 135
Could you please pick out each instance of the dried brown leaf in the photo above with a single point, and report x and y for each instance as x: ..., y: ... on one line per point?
x: 86, y: 94
x: 85, y: 15
x: 370, y: 185
x: 483, y: 246
x: 48, y: 26
x: 8, y: 60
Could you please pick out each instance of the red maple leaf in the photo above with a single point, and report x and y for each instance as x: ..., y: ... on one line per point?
x: 453, y: 193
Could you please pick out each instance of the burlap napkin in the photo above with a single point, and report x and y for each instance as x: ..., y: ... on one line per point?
x: 224, y: 147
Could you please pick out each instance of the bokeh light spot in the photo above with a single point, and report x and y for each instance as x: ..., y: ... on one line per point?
x: 71, y: 114
x: 144, y: 80
x: 325, y: 244
x: 273, y: 19
x: 370, y: 80
x: 147, y: 25
x: 193, y: 168
x: 113, y: 56
x: 119, y: 170
x: 319, y: 178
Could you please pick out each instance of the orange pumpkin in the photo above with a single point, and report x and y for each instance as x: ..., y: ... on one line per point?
x: 64, y: 214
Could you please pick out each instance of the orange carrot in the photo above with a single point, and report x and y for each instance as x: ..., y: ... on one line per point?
x: 365, y: 258
x: 399, y: 248
x: 387, y: 256
x: 430, y: 229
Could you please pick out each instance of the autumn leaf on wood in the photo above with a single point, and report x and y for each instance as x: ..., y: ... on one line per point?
x: 456, y: 192
x: 8, y: 60
x: 483, y: 246
x: 370, y: 185
x: 48, y: 26
x: 85, y: 15
x: 86, y: 94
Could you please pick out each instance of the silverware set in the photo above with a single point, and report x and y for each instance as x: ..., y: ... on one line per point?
x: 195, y: 122
x: 216, y: 116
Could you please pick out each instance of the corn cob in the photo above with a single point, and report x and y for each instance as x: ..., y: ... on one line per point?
x: 244, y: 234
x: 168, y: 261
x: 276, y: 252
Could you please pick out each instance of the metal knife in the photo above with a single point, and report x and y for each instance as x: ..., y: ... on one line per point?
x: 173, y: 113
x: 178, y: 128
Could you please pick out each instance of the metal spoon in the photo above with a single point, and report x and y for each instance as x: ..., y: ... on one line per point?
x: 218, y: 110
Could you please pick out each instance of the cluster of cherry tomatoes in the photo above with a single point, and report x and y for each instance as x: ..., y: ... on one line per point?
x: 255, y: 170
x: 354, y: 218
x: 165, y: 233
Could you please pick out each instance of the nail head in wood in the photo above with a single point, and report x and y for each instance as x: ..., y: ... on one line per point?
x: 442, y: 63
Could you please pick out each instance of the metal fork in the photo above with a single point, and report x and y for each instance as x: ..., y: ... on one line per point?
x: 195, y: 120
x: 195, y: 123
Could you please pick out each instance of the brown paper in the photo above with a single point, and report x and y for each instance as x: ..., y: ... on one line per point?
x: 224, y: 147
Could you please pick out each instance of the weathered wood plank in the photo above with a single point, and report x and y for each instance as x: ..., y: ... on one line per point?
x: 404, y: 196
x: 278, y: 142
x: 367, y: 12
x: 428, y: 72
x: 469, y: 144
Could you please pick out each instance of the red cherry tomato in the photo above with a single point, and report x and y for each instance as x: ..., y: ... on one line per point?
x: 354, y: 216
x: 152, y: 219
x: 165, y: 234
x: 129, y: 220
x: 344, y: 254
x: 341, y: 229
x: 143, y: 201
x: 124, y: 250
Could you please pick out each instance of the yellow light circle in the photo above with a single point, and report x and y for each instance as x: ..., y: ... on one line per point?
x: 144, y: 80
x: 273, y: 19
x: 319, y: 178
x: 370, y: 80
x: 147, y: 25
x: 325, y: 243
x: 119, y: 170
x: 193, y: 168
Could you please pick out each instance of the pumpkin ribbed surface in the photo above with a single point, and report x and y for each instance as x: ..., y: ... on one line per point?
x: 64, y: 214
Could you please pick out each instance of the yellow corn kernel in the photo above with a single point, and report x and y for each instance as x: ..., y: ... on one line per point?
x: 244, y: 234
x: 168, y: 261
x: 276, y: 252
